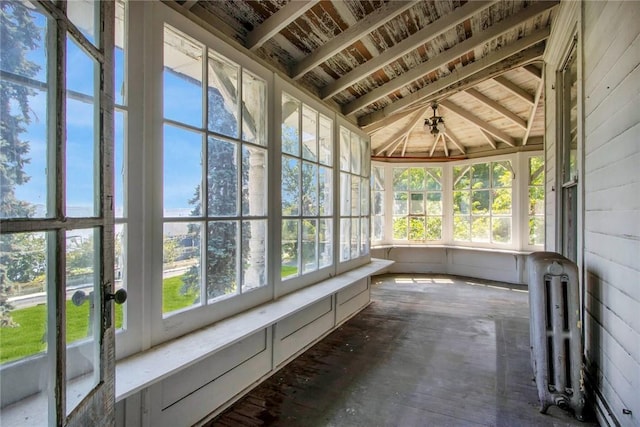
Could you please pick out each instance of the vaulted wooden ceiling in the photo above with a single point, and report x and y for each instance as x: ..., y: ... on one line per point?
x: 384, y: 64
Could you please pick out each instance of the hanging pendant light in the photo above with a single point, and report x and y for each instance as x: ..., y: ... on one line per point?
x: 434, y: 124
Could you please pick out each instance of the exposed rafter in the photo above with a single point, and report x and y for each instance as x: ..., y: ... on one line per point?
x: 188, y: 4
x: 533, y: 70
x: 435, y: 143
x: 519, y: 50
x: 515, y: 89
x: 497, y: 107
x: 276, y: 22
x: 387, y: 121
x: 417, y: 118
x: 412, y: 42
x: 532, y: 115
x: 352, y: 34
x: 395, y: 147
x: 444, y: 145
x: 488, y: 138
x: 454, y: 140
x: 495, y: 132
x: 447, y: 56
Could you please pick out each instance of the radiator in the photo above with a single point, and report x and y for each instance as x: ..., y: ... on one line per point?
x: 555, y: 332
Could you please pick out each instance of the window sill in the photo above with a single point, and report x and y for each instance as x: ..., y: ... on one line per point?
x: 141, y: 370
x: 455, y: 247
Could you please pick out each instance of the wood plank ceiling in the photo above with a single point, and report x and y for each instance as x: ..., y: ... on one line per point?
x: 384, y: 64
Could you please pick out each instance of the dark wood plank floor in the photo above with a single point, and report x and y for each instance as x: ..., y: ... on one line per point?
x: 428, y: 351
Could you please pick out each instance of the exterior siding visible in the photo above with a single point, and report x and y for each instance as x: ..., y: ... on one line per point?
x: 611, y: 90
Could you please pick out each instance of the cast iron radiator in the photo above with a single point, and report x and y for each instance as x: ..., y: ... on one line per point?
x: 555, y: 331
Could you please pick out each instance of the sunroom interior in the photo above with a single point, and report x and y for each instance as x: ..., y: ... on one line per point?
x: 194, y: 193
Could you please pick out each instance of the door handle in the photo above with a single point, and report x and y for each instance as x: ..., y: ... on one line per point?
x: 119, y: 297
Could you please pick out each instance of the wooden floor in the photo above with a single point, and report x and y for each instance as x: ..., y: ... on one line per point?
x: 428, y: 351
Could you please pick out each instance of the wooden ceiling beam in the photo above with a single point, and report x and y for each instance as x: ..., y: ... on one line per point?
x: 188, y: 4
x: 495, y: 132
x: 455, y: 141
x: 425, y: 35
x: 497, y: 107
x: 514, y: 88
x: 404, y: 132
x: 507, y: 58
x: 366, y: 25
x: 435, y: 143
x: 533, y: 70
x: 395, y: 147
x: 451, y: 54
x: 532, y: 115
x: 444, y: 144
x: 276, y: 22
x: 388, y: 121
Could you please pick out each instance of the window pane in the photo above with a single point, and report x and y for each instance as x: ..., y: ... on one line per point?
x: 345, y: 239
x: 119, y: 165
x: 83, y: 13
x: 434, y: 179
x: 182, y: 172
x: 309, y: 245
x: 254, y: 254
x: 182, y: 89
x: 83, y: 315
x: 254, y: 109
x: 377, y: 181
x: 536, y: 230
x: 355, y: 237
x: 326, y: 140
x: 378, y: 228
x: 416, y: 228
x: 480, y: 202
x: 480, y: 175
x: 434, y: 203
x: 290, y: 253
x: 536, y: 170
x: 325, y: 247
x: 433, y: 229
x: 365, y: 195
x: 81, y: 162
x: 461, y: 228
x: 536, y: 200
x: 345, y: 149
x: 345, y: 194
x: 222, y: 95
x: 290, y: 186
x: 325, y: 188
x: 222, y: 250
x: 309, y: 189
x: 254, y: 181
x: 23, y: 280
x: 309, y: 133
x: 378, y: 203
x: 290, y: 125
x: 400, y: 178
x: 355, y: 196
x: 461, y: 202
x: 480, y: 229
x: 417, y: 204
x: 400, y: 203
x: 501, y: 230
x: 400, y: 228
x: 501, y: 204
x: 181, y: 266
x: 356, y: 158
x: 222, y: 178
x: 119, y: 53
x: 364, y: 235
x: 416, y: 179
x: 502, y: 174
x: 365, y: 154
x: 461, y: 177
x: 119, y: 270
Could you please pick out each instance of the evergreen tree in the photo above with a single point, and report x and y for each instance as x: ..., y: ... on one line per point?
x: 18, y: 35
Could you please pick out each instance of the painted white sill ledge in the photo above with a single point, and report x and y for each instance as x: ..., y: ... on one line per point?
x: 141, y: 370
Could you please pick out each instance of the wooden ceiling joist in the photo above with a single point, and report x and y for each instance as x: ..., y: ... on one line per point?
x: 533, y: 70
x: 515, y: 89
x: 492, y: 130
x: 395, y: 147
x: 379, y: 17
x: 404, y: 132
x: 448, y: 55
x: 276, y: 22
x: 497, y: 107
x: 520, y: 50
x: 425, y: 35
x: 532, y: 115
x: 388, y: 121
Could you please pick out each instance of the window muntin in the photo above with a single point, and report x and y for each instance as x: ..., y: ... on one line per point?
x: 417, y: 209
x: 482, y: 202
x: 306, y: 188
x: 354, y: 195
x: 535, y: 223
x: 214, y: 181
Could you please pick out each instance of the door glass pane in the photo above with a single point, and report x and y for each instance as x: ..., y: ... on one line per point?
x: 119, y: 53
x: 119, y: 165
x: 182, y: 88
x: 82, y: 313
x: 254, y: 254
x: 222, y: 178
x: 83, y: 14
x: 81, y: 162
x: 182, y: 172
x: 181, y: 266
x: 254, y: 110
x: 222, y: 253
x: 119, y: 270
x: 222, y: 95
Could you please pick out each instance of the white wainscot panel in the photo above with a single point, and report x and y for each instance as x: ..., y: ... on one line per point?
x: 352, y: 299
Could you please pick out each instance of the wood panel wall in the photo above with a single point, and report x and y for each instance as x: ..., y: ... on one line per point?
x: 611, y: 93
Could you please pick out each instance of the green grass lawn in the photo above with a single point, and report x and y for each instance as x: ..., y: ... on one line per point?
x: 29, y: 337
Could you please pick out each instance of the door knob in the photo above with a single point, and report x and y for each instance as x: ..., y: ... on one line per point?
x: 119, y: 297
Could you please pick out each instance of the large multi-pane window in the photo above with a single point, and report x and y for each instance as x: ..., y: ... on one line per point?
x: 377, y: 203
x: 306, y: 188
x: 536, y: 201
x: 355, y: 164
x: 417, y: 203
x: 214, y: 175
x: 482, y: 202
